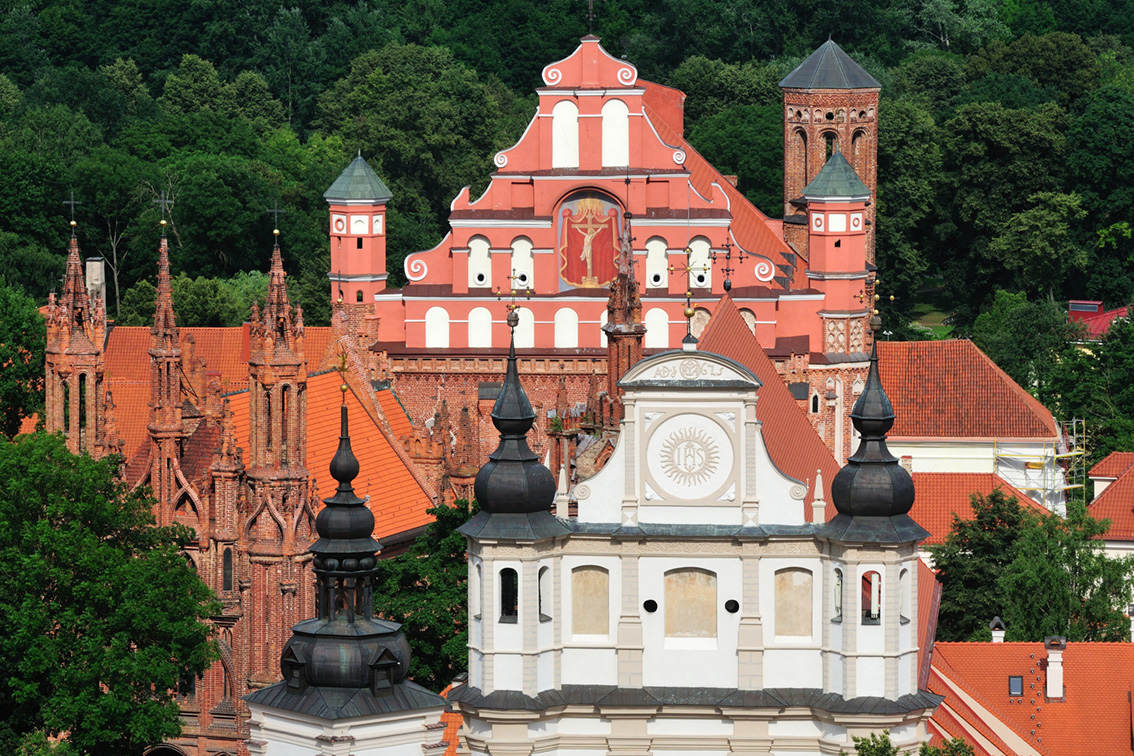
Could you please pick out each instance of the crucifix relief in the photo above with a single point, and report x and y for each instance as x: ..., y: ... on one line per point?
x: 587, y: 235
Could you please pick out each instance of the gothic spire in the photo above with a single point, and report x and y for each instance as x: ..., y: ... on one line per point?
x: 75, y: 297
x: 163, y: 332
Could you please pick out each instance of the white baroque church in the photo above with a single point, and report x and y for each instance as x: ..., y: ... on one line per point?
x: 700, y: 602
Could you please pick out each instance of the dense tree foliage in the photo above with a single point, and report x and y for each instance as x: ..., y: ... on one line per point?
x: 22, y: 341
x: 879, y: 744
x: 103, y: 618
x: 426, y: 590
x: 1041, y: 573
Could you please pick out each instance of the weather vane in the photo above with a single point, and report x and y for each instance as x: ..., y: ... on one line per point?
x: 688, y: 268
x: 512, y: 295
x: 727, y: 268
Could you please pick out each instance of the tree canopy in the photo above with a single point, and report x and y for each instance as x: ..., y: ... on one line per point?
x: 22, y: 341
x: 1042, y: 574
x: 103, y: 616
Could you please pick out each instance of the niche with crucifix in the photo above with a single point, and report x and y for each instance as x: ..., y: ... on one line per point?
x: 587, y: 230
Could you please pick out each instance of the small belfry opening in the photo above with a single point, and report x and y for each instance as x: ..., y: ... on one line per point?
x: 871, y: 598
x: 831, y: 144
x: 66, y: 408
x: 226, y: 570
x: 544, y: 596
x: 509, y: 595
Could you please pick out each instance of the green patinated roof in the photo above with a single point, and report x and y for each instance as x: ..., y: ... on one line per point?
x: 829, y: 68
x: 358, y: 182
x: 836, y: 179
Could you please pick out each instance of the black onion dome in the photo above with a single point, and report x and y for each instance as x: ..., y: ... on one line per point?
x: 346, y: 524
x: 513, y: 481
x: 873, y: 483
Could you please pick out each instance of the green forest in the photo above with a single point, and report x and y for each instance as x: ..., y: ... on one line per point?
x: 1005, y: 184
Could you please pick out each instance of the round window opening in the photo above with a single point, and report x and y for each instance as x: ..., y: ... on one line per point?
x: 650, y: 605
x: 732, y: 606
x: 480, y: 278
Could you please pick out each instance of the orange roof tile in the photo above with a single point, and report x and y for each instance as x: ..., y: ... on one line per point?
x: 749, y: 225
x: 452, y: 721
x: 951, y: 389
x: 1094, y: 719
x: 27, y: 424
x: 793, y: 444
x: 397, y: 498
x: 942, y: 496
x: 1116, y: 504
x: 928, y: 607
x: 1112, y: 465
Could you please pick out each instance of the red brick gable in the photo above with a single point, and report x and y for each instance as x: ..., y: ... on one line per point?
x: 951, y: 389
x: 1094, y: 718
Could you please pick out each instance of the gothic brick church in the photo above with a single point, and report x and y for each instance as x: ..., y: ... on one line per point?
x: 605, y: 231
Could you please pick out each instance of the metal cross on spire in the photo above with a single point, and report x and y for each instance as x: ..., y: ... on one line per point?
x: 165, y: 203
x: 73, y: 203
x: 512, y: 293
x: 590, y: 16
x: 727, y: 268
x: 275, y: 211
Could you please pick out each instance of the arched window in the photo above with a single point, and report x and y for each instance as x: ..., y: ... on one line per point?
x: 565, y: 135
x: 657, y: 264
x: 358, y: 296
x: 837, y: 595
x: 480, y: 328
x: 690, y: 603
x: 285, y: 402
x: 700, y: 263
x: 226, y: 571
x: 801, y: 149
x: 858, y: 153
x: 522, y: 265
x: 268, y: 418
x: 749, y: 319
x: 604, y: 318
x: 904, y: 597
x: 474, y: 590
x: 793, y: 602
x: 831, y: 144
x: 66, y: 407
x: 82, y: 410
x: 566, y: 328
x: 436, y: 328
x: 525, y: 329
x: 871, y: 598
x: 814, y: 404
x: 590, y: 601
x: 657, y: 329
x: 480, y: 263
x: 509, y: 595
x: 615, y: 134
x: 544, y: 594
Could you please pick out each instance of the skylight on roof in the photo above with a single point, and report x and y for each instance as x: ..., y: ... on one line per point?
x: 1015, y: 686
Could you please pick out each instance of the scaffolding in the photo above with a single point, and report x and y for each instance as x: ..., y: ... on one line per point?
x: 1057, y: 472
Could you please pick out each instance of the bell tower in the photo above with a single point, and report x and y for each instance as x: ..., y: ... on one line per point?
x: 357, y: 202
x: 830, y: 105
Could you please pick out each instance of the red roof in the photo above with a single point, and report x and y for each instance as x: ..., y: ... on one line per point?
x: 928, y: 607
x: 1116, y: 503
x: 749, y: 225
x: 1097, y: 325
x: 942, y: 496
x: 1112, y: 465
x: 1094, y: 718
x: 792, y: 443
x: 452, y: 721
x: 397, y: 498
x: 951, y: 389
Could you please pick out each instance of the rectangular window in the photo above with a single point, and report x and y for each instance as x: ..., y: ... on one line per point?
x: 1015, y: 686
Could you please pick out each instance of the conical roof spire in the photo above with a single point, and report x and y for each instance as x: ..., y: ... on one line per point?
x: 873, y: 483
x: 836, y: 180
x: 164, y: 329
x: 75, y: 297
x: 829, y: 68
x: 513, y: 481
x: 346, y: 525
x: 358, y: 183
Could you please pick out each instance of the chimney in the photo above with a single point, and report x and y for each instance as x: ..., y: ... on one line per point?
x: 997, y: 628
x: 1130, y: 614
x: 732, y: 179
x: 96, y: 277
x: 1054, y: 645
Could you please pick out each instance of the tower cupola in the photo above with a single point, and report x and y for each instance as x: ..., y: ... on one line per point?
x: 357, y: 200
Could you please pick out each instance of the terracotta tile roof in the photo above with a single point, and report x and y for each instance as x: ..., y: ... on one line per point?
x: 793, y: 444
x: 928, y: 607
x: 197, y: 451
x: 397, y: 498
x: 452, y: 721
x: 951, y: 389
x: 1112, y: 465
x: 941, y: 496
x: 1094, y: 718
x: 1116, y: 504
x: 27, y: 425
x: 749, y: 225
